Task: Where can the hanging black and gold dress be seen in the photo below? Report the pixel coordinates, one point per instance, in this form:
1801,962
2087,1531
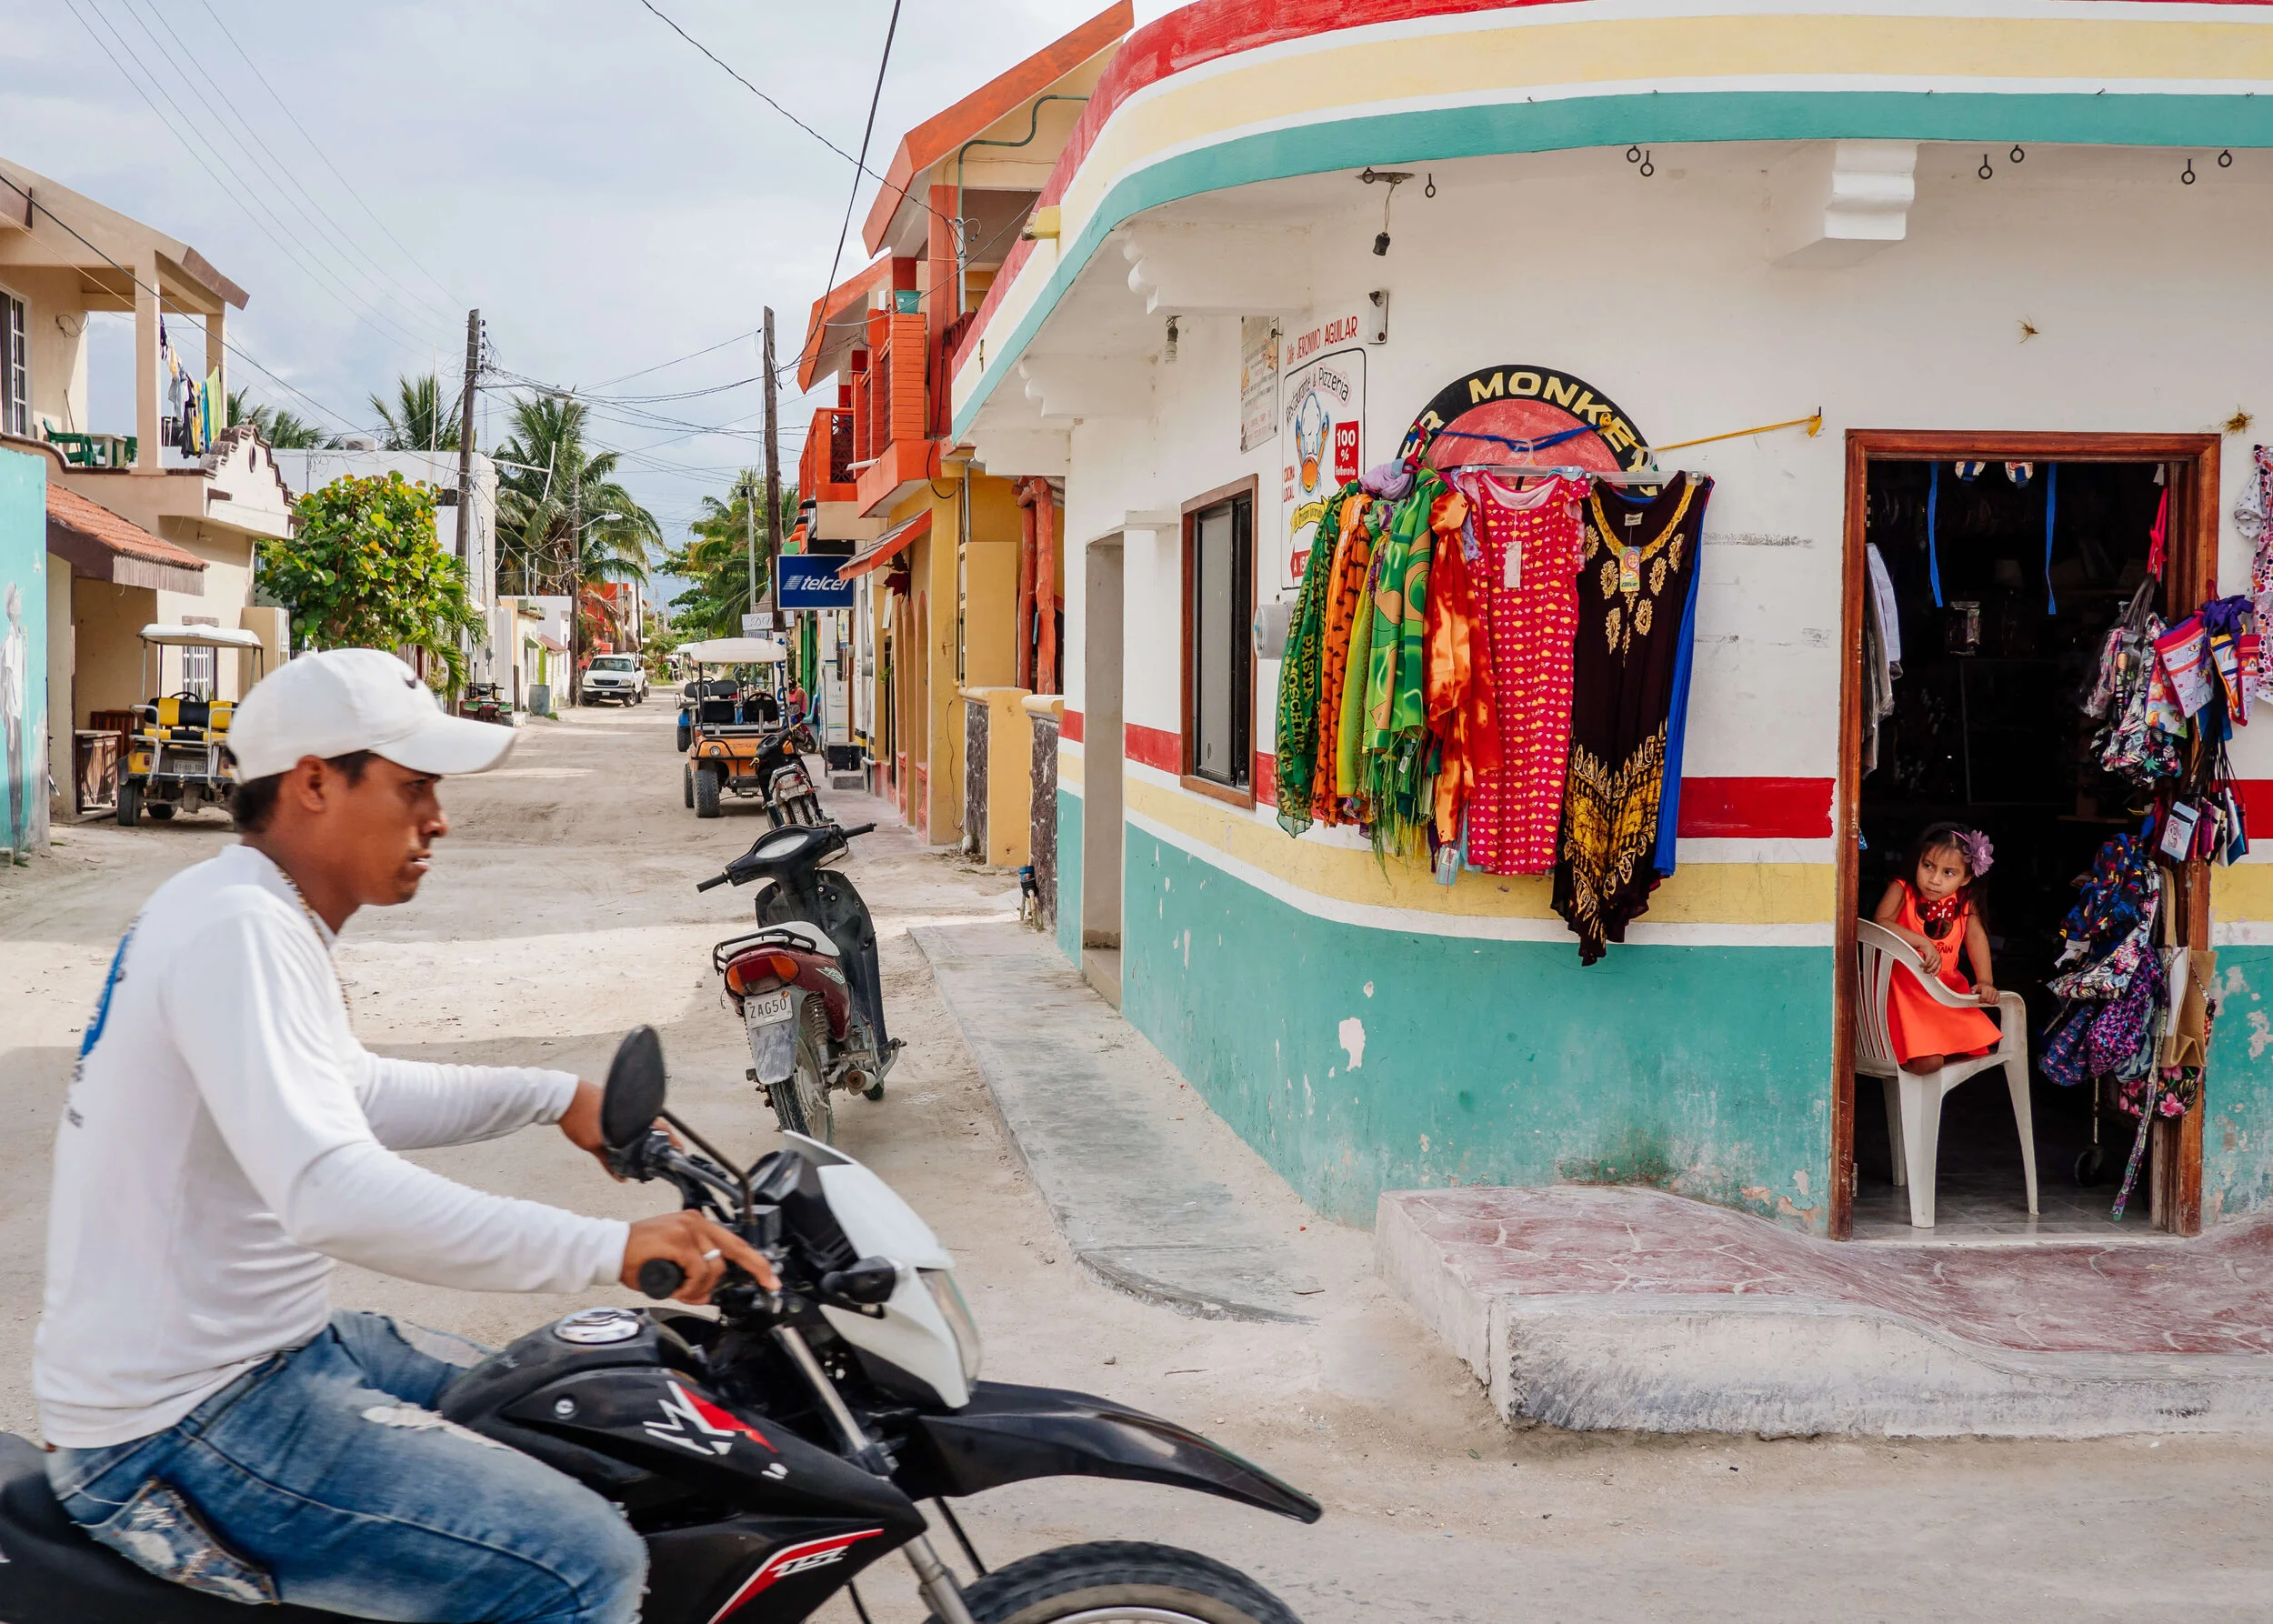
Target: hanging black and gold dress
1639,569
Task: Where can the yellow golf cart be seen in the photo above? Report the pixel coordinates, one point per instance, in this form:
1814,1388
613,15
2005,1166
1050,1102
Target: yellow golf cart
178,755
732,729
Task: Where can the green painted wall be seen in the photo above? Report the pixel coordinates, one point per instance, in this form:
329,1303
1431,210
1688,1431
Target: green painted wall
22,653
2237,1134
1704,1070
1069,873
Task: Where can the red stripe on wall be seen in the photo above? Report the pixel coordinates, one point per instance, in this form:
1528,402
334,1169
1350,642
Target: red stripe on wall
1266,779
1069,725
1152,747
2257,806
1755,809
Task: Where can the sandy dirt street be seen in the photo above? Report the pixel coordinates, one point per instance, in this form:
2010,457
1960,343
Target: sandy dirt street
562,910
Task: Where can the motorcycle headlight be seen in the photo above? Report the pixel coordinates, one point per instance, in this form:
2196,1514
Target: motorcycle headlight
949,1296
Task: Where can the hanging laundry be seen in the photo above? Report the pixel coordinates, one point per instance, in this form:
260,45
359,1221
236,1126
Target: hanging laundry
2254,519
1529,548
212,412
1678,731
1638,570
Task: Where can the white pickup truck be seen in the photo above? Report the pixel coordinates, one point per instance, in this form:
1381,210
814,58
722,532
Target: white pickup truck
617,676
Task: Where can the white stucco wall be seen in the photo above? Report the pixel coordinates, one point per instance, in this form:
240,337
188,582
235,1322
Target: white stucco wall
2144,294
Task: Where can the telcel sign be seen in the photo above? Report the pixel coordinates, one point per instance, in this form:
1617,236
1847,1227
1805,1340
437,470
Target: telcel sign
809,582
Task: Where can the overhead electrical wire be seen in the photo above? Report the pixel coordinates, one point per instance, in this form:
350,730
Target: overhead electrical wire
233,348
382,325
419,308
659,365
859,163
226,33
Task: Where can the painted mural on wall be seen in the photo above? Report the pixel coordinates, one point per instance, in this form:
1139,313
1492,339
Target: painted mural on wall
1525,413
22,653
1324,415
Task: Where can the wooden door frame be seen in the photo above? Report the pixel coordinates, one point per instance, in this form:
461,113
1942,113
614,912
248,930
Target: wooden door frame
2192,575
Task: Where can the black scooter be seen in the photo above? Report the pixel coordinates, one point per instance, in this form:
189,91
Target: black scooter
773,1451
807,983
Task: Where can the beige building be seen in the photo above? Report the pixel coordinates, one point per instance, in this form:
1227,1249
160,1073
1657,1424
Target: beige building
64,257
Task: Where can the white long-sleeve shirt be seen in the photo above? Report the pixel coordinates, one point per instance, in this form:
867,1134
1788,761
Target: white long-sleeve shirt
226,1138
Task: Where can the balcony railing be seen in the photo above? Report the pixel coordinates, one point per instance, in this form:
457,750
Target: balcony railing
890,443
825,470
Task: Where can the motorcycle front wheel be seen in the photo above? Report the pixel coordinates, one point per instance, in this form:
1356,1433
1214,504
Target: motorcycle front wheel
1121,1582
802,1104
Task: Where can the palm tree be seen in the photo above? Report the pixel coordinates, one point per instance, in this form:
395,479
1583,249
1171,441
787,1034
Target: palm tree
559,476
418,420
716,561
281,430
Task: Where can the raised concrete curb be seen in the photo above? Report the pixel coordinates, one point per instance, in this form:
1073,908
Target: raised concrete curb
1634,1354
1085,1103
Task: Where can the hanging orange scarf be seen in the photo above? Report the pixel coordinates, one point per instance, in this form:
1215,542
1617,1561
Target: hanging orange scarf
1352,554
1459,672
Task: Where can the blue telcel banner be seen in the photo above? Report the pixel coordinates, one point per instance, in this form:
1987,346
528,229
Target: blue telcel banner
808,581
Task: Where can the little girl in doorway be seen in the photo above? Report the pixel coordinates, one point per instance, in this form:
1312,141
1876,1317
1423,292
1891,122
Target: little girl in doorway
1934,910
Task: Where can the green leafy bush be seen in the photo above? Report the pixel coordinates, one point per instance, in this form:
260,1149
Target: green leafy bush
367,571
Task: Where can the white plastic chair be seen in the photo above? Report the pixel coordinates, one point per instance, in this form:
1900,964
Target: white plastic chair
1913,1099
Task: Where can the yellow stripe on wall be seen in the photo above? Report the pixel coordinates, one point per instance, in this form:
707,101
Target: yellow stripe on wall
1698,894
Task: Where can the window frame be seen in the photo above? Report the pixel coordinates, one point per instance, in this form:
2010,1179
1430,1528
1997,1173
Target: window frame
16,360
1242,792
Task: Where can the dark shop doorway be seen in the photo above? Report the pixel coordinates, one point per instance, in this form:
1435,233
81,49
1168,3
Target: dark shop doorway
2002,618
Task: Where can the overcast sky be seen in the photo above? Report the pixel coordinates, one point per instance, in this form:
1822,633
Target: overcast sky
608,197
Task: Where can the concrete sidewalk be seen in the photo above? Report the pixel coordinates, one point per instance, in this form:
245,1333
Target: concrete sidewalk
1099,1118
1632,1308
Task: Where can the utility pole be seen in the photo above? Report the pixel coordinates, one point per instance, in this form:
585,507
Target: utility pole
465,437
576,587
773,482
465,457
749,526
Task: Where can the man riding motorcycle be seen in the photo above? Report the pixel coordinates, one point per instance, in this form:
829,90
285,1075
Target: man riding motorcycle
227,1139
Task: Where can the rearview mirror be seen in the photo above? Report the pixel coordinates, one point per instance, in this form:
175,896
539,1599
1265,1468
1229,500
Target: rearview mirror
635,1087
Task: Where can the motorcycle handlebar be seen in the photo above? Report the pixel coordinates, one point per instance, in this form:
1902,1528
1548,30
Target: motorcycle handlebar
866,828
660,1278
714,881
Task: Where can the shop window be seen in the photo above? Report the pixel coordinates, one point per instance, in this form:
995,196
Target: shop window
16,369
1218,660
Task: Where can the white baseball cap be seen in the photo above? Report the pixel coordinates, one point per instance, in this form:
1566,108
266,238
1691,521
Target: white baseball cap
341,700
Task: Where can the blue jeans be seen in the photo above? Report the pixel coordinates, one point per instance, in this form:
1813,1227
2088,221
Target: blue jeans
324,1477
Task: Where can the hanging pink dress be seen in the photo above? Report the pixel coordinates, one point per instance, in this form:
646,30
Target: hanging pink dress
1517,810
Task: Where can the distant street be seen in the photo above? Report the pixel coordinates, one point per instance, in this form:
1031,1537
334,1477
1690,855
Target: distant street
562,910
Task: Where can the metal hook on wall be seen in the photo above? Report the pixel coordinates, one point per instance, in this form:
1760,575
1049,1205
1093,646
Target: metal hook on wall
1647,169
2226,159
1985,171
1633,155
2187,179
2018,153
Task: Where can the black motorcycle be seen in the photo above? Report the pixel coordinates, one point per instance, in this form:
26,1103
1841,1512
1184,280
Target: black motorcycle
773,1451
807,983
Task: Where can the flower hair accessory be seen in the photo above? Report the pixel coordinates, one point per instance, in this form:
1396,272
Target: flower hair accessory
1979,854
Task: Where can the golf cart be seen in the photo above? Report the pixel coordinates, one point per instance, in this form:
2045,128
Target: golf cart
178,754
731,727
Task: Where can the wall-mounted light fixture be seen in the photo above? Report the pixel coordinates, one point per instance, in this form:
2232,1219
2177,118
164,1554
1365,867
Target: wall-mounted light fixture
1393,179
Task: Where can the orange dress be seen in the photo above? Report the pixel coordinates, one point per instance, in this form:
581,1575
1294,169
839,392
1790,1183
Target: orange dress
1917,1025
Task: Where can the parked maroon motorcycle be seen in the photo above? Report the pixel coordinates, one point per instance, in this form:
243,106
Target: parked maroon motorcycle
807,984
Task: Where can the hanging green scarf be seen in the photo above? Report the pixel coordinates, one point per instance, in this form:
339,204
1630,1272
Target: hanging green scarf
1349,748
1397,758
1297,740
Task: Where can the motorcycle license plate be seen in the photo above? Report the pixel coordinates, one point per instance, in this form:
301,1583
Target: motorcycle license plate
765,1008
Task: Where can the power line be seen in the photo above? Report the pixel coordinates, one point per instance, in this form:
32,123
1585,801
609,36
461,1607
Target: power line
659,365
31,203
859,163
398,336
223,30
419,308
